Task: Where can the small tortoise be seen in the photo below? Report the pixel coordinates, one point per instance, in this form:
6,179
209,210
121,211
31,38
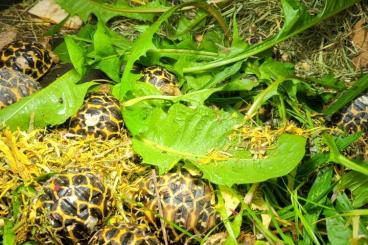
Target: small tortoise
100,117
14,86
162,79
71,207
354,118
186,201
30,58
127,234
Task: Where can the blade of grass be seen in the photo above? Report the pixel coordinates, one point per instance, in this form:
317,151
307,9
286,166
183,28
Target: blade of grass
264,230
299,215
348,95
337,157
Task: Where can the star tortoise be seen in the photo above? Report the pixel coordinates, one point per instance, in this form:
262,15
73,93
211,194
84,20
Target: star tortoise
127,234
30,58
186,201
162,79
354,118
14,86
71,206
99,117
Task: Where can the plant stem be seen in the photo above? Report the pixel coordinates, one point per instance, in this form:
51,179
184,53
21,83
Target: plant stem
225,219
150,97
109,7
82,39
337,157
187,51
164,51
261,97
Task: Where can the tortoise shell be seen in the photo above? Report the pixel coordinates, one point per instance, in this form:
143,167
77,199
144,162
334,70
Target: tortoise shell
74,204
14,86
354,118
30,58
127,234
100,117
186,201
162,79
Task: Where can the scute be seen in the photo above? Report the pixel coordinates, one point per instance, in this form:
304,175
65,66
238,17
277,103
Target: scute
354,118
162,79
127,234
99,117
14,86
29,58
186,201
66,206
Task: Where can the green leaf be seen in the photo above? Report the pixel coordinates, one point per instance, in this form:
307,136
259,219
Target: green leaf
197,81
337,230
144,43
111,67
272,69
357,183
241,83
224,74
348,95
238,42
9,234
54,29
102,41
84,8
187,24
139,48
52,105
86,33
321,185
297,19
343,142
329,81
198,134
263,96
182,133
197,98
237,169
76,54
232,228
108,59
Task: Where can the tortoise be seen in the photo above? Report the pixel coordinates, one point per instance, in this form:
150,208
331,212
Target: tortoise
354,118
70,207
186,201
15,85
99,117
30,58
127,234
162,79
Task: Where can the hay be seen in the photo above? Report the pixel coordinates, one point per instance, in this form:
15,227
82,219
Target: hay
28,158
26,26
330,48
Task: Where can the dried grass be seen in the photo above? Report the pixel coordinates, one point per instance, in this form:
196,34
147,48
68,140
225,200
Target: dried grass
324,49
28,158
